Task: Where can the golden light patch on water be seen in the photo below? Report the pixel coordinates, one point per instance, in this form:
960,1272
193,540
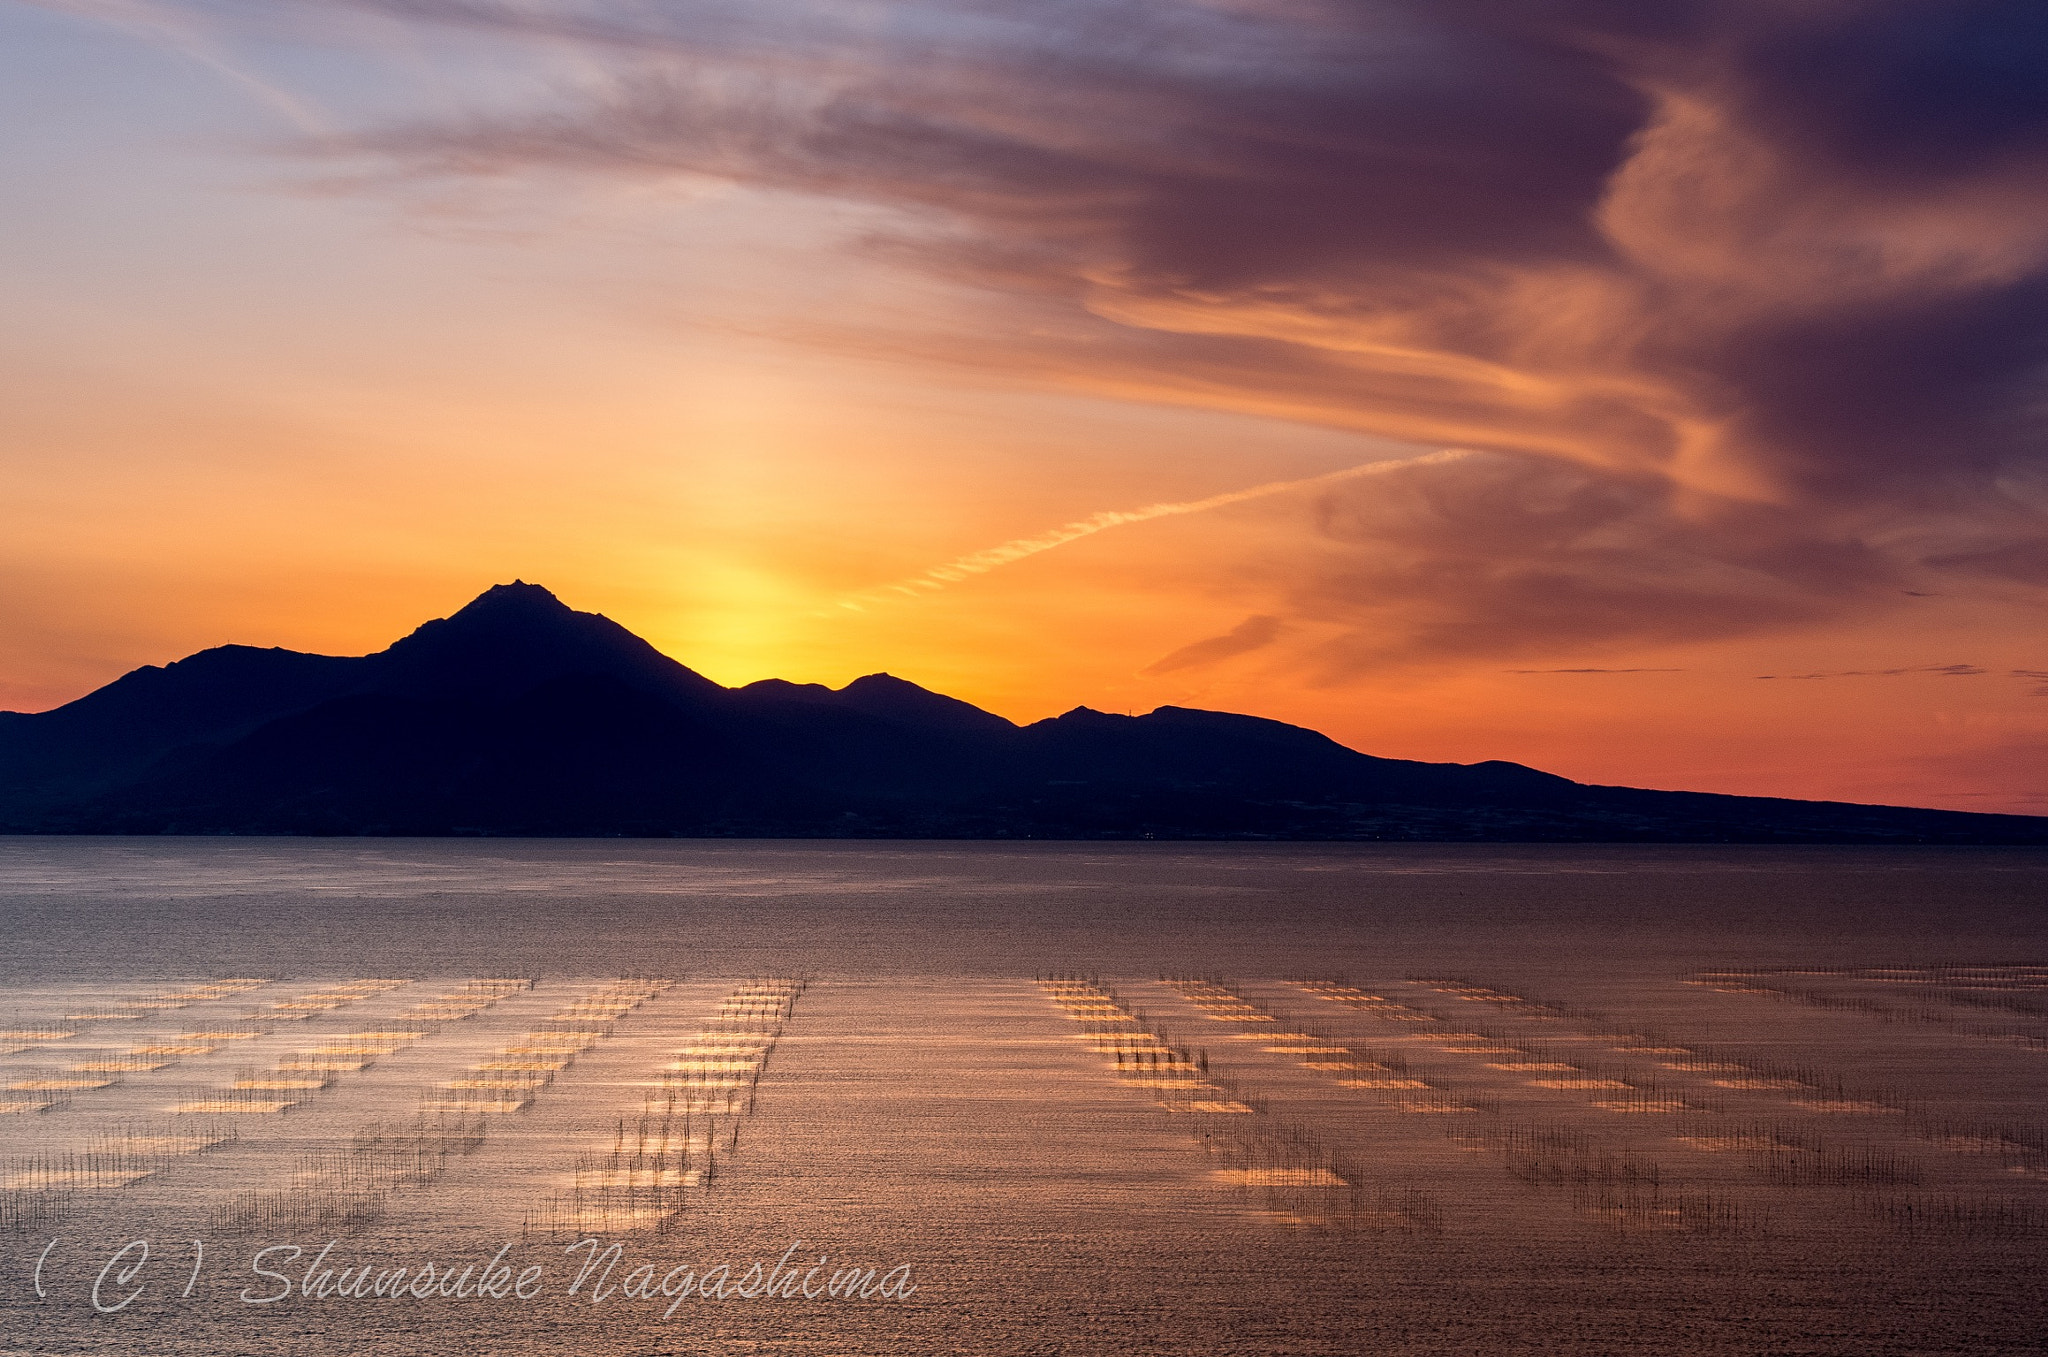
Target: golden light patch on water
1196,1085
1222,1107
21,1106
165,1145
36,1033
56,1085
1757,1084
510,1082
1578,1083
1982,1142
458,1103
1308,1050
234,1106
119,1065
370,1046
221,1036
1383,1083
521,1064
717,1083
43,1179
1520,1065
628,1180
1278,1177
1721,1144
359,1049
1649,1105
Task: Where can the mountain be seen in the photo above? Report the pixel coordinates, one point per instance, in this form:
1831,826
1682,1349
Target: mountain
519,715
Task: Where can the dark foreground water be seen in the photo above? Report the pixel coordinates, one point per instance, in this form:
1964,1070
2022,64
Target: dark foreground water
1041,1098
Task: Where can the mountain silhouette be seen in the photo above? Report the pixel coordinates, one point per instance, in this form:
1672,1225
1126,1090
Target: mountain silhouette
518,715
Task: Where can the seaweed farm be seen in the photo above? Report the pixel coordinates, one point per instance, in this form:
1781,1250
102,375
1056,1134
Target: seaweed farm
1461,1149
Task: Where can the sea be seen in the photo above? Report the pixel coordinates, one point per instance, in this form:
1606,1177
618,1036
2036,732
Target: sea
626,1096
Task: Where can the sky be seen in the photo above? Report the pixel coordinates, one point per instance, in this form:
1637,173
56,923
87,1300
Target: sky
1650,393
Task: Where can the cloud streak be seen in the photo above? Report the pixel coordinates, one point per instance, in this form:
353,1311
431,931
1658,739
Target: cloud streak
186,33
1254,633
962,568
1946,670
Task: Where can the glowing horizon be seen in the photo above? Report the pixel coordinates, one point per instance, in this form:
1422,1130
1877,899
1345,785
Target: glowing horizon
1461,387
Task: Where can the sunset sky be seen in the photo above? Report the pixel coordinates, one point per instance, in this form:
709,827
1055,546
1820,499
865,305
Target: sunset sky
1652,391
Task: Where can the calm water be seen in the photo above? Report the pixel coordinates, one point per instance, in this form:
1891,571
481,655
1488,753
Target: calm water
1471,1100
132,907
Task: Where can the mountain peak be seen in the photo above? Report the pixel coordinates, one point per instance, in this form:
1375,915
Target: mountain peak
517,593
896,699
513,636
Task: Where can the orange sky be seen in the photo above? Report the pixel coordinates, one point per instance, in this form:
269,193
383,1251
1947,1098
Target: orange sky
275,376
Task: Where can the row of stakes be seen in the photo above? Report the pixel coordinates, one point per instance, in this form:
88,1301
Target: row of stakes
354,1187
688,1124
1295,1177
37,1191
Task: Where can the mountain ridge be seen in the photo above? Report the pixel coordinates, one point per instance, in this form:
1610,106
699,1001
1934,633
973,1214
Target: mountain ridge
519,715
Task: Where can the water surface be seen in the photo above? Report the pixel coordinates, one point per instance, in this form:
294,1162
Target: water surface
1147,1098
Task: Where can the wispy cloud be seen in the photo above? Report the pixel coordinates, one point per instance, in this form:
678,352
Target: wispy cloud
1596,671
187,32
1254,633
1949,670
981,562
